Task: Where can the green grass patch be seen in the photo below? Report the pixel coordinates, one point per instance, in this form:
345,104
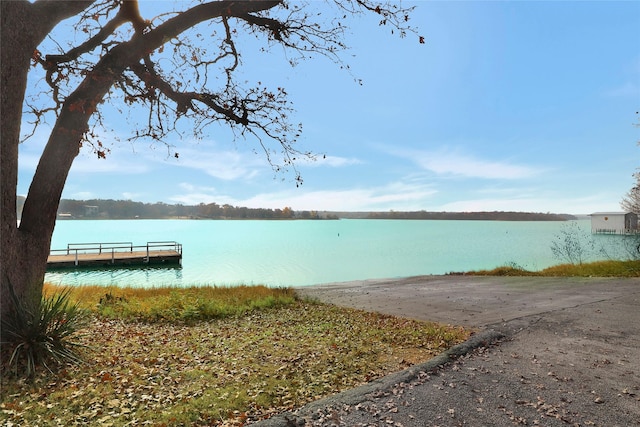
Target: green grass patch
172,304
592,269
275,353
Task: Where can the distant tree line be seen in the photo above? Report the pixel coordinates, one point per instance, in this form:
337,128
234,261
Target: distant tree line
127,209
479,216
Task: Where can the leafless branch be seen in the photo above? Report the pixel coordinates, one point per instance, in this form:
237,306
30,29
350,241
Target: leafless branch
135,67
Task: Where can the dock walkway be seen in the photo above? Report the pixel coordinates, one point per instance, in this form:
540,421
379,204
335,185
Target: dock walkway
122,254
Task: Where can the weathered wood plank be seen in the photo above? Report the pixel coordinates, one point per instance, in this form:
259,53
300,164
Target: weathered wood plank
114,257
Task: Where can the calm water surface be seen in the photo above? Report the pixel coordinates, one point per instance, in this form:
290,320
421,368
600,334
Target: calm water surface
299,253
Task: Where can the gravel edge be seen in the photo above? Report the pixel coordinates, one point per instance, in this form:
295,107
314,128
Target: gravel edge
359,394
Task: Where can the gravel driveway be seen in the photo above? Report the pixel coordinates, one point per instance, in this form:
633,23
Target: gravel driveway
548,352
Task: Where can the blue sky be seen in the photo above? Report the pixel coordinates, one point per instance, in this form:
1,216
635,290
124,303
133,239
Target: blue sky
509,106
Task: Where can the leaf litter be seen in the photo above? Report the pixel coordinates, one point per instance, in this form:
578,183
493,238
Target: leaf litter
224,372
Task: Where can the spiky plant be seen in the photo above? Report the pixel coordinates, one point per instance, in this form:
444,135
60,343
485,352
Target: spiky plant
42,334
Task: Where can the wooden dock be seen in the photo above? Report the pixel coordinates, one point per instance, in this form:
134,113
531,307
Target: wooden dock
118,254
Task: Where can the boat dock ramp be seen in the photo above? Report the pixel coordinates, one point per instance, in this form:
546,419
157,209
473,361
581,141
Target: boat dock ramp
124,254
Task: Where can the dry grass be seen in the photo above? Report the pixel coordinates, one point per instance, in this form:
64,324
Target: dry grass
176,304
592,269
223,371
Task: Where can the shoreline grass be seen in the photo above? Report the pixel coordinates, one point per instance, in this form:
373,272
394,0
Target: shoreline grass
152,361
172,304
630,268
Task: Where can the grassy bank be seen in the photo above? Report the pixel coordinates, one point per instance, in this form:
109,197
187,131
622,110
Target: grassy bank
171,304
214,356
592,269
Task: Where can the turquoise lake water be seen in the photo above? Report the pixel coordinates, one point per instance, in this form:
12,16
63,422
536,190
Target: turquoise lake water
300,253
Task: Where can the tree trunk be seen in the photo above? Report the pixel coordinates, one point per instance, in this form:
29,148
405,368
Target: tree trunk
24,249
17,45
23,25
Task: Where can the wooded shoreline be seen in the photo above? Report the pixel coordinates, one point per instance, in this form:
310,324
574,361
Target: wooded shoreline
127,209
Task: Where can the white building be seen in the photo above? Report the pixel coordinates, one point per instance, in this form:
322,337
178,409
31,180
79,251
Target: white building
614,222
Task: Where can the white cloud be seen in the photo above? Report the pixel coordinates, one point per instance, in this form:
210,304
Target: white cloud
194,195
120,159
227,165
334,161
398,195
578,205
190,188
455,163
87,162
115,162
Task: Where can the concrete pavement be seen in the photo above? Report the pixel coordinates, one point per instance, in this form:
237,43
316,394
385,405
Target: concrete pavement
548,352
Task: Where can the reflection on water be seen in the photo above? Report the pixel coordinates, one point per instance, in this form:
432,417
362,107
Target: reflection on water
134,276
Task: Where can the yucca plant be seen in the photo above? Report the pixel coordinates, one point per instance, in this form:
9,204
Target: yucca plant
43,333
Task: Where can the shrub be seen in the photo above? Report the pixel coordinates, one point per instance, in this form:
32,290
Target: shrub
573,245
631,246
41,333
